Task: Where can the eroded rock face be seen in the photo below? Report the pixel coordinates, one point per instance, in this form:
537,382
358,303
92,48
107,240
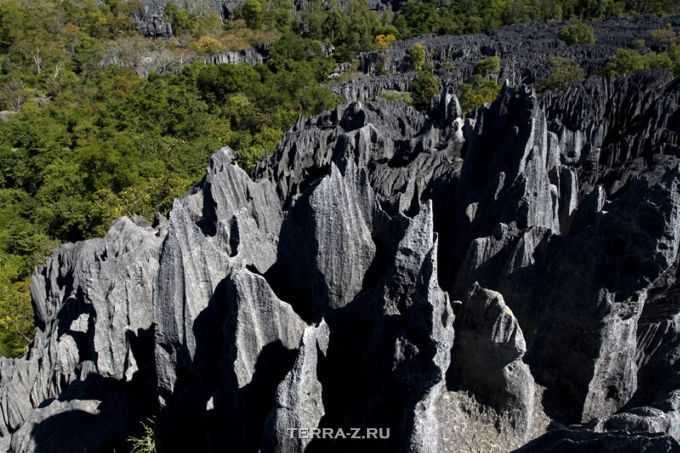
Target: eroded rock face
93,305
383,269
563,440
299,397
326,245
488,357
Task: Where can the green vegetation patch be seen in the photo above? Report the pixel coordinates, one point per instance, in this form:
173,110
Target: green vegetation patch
577,33
399,96
629,62
86,143
561,72
476,92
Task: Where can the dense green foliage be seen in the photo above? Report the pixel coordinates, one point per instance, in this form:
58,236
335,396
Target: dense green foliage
476,92
488,66
85,143
424,87
630,62
639,58
350,30
577,33
562,72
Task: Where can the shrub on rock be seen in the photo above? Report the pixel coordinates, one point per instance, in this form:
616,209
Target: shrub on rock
562,72
577,33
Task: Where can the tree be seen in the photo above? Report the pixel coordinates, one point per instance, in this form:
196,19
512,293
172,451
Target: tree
13,94
488,66
562,72
418,56
577,33
424,87
476,92
383,42
628,62
362,25
252,11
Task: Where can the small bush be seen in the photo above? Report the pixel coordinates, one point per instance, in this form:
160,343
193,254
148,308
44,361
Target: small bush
674,55
577,33
383,42
209,23
562,72
208,45
424,87
418,56
489,65
627,63
476,92
447,66
399,96
664,35
146,443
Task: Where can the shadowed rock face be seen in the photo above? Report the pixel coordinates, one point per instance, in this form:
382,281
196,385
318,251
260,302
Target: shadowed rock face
384,269
488,357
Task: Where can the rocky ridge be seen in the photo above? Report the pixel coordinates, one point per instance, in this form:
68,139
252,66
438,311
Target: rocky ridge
152,22
522,48
513,271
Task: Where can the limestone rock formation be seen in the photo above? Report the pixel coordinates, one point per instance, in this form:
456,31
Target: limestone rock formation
299,397
488,357
565,441
449,282
523,48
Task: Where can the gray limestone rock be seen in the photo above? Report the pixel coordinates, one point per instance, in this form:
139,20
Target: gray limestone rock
567,441
315,293
326,244
93,304
299,397
260,319
487,357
